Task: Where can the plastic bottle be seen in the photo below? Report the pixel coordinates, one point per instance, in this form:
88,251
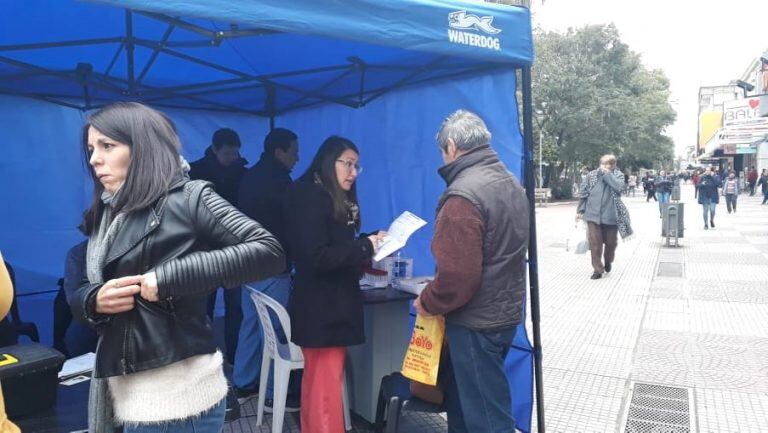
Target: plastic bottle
398,270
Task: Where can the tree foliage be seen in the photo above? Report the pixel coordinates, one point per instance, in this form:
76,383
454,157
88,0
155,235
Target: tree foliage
594,96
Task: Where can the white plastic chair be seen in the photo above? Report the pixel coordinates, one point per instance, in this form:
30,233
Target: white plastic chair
286,356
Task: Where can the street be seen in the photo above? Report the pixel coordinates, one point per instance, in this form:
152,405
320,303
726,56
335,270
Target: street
692,317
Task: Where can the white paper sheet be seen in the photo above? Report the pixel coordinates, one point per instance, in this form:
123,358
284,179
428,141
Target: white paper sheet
78,365
399,231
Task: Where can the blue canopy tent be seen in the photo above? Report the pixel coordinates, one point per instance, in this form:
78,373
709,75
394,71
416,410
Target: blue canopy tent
383,73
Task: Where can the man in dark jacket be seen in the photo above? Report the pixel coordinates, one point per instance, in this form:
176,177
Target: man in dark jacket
224,167
480,244
261,198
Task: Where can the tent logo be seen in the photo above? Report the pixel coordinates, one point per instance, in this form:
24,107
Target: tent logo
461,20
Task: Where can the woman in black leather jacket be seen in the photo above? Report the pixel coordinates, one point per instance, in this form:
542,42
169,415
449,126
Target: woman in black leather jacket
158,244
326,307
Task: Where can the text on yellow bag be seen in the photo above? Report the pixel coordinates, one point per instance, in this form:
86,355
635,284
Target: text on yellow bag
422,359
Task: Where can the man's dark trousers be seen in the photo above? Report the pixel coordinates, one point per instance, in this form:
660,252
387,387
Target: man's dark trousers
477,396
233,316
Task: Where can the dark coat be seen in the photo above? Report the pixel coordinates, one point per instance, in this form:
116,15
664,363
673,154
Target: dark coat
262,192
708,189
195,242
226,180
326,305
763,182
663,184
480,177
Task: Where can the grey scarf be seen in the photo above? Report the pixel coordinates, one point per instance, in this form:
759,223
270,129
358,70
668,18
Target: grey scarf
100,416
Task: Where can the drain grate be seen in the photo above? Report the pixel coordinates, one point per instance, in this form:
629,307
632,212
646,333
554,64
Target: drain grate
659,409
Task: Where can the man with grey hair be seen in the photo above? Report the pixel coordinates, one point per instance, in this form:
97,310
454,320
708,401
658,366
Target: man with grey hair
601,207
480,244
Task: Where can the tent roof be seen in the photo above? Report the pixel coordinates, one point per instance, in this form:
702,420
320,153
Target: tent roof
264,58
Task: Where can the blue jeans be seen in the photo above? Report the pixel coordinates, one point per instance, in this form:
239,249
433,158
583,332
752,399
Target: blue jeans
709,210
247,368
663,198
477,397
210,421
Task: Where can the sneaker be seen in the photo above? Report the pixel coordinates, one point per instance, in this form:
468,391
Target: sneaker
291,405
596,276
706,227
245,394
712,224
608,268
232,410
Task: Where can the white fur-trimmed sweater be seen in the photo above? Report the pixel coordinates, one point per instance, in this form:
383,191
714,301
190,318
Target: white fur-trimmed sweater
177,391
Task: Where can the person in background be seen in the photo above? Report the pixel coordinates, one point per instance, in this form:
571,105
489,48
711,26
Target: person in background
632,184
708,197
261,197
480,244
601,207
731,191
6,299
322,221
158,245
695,180
763,182
224,167
663,186
752,180
649,185
78,338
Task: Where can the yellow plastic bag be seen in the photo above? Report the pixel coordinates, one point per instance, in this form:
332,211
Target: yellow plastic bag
422,359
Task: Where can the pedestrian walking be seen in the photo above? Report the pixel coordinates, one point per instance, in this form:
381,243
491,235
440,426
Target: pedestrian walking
601,207
752,180
650,187
708,197
731,191
663,187
632,184
763,182
695,180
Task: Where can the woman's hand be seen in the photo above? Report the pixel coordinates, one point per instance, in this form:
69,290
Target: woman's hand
149,287
116,296
377,239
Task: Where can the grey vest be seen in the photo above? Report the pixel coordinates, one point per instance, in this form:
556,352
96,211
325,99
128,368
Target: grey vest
480,177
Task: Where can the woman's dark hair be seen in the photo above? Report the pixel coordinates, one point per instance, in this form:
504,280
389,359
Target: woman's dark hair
154,151
323,168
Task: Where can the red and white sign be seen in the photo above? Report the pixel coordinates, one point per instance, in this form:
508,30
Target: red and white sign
743,112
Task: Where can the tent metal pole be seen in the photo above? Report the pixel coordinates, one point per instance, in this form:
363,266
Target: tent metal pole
533,265
241,74
129,51
76,43
155,53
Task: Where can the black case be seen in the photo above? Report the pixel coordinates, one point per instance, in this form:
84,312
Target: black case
29,385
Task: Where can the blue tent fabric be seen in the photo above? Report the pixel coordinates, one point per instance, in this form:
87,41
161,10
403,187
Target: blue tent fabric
196,56
320,74
420,25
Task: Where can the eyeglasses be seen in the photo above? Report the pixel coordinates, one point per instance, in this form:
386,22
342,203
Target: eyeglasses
349,165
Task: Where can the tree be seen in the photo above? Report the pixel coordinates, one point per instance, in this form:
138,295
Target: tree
594,96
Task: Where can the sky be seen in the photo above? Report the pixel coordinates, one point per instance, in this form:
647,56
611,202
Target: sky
695,43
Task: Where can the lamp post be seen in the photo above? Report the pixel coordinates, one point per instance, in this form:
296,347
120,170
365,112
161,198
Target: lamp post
539,122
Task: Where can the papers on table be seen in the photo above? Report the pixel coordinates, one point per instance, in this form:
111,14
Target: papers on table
414,285
77,366
397,236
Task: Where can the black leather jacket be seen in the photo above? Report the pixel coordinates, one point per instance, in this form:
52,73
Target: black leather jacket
195,242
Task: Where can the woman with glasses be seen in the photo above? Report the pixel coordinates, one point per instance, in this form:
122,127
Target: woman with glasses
326,306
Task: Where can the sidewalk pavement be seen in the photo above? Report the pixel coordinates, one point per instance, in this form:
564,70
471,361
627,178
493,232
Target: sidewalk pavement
705,330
